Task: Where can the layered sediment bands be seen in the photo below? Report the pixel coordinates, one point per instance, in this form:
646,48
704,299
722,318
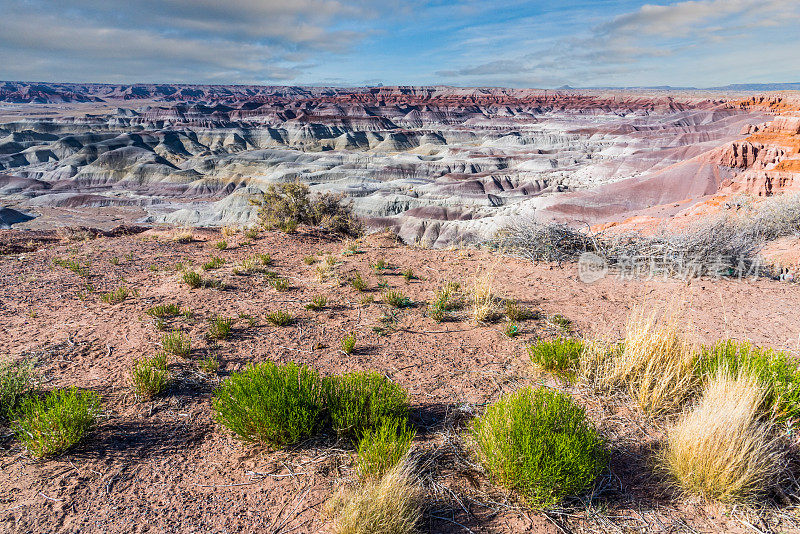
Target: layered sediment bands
440,164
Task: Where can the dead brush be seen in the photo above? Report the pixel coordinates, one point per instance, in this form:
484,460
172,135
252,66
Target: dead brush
485,306
389,505
723,449
656,363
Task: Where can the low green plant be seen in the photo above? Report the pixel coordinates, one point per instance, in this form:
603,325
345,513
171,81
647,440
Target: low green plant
444,301
221,245
114,260
219,328
163,310
349,343
379,266
16,383
366,300
539,443
362,400
279,318
50,425
511,329
310,260
317,303
116,296
777,372
358,282
409,275
561,356
382,283
193,279
150,375
251,321
280,284
176,343
209,365
214,263
383,447
562,322
396,299
73,265
252,232
274,404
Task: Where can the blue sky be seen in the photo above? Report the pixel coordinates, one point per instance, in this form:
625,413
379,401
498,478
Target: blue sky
355,42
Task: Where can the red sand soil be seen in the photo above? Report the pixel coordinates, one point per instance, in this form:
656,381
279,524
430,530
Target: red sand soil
166,466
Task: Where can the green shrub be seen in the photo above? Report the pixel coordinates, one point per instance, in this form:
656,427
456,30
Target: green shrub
560,356
396,299
285,206
273,404
280,284
383,447
349,343
209,365
408,275
177,343
221,245
164,310
16,383
777,372
561,322
214,263
379,266
219,328
192,279
358,401
150,375
444,301
511,329
539,443
279,318
114,260
116,296
358,282
54,423
310,260
252,232
72,265
317,303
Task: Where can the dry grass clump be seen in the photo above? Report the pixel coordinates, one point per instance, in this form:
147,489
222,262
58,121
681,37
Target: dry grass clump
723,449
389,505
485,306
183,236
657,363
150,376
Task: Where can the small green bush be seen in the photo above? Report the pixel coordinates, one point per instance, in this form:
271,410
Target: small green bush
317,303
214,263
310,260
150,375
52,424
16,383
219,328
192,279
358,282
209,365
561,322
252,232
349,343
280,284
73,265
164,310
379,266
177,343
285,206
383,447
279,318
444,301
777,372
358,401
511,329
560,356
221,245
116,296
396,299
409,275
273,404
539,443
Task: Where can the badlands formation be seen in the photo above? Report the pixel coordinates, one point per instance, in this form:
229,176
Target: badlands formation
439,164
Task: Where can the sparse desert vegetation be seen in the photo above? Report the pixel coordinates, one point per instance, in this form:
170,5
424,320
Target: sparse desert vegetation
321,382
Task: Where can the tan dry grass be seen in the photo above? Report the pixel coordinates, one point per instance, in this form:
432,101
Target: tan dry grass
656,363
389,505
485,306
722,449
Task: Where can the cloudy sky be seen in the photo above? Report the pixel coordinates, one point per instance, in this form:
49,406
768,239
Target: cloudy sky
355,42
